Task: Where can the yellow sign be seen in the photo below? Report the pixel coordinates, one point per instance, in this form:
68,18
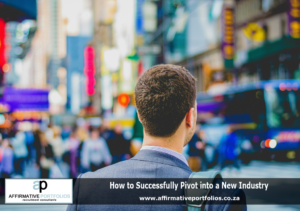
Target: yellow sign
294,19
254,32
228,33
295,29
124,122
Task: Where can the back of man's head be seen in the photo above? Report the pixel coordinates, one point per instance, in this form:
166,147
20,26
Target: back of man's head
164,94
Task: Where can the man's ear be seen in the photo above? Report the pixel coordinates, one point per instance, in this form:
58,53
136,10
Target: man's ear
139,116
190,118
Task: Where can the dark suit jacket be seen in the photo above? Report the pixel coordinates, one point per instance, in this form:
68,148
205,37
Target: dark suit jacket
148,164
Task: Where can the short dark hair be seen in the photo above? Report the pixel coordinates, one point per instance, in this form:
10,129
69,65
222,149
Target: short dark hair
163,95
93,128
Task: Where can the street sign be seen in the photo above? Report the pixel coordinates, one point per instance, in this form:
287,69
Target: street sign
254,32
152,49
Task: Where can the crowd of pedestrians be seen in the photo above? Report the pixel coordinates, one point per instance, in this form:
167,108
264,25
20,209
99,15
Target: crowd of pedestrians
88,148
81,148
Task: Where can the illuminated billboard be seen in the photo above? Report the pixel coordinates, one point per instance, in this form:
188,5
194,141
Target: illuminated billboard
294,19
89,70
228,33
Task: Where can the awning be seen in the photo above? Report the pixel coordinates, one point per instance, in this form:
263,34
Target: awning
19,99
18,10
269,49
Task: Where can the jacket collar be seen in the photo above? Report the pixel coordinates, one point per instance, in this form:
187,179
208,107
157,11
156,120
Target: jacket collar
160,157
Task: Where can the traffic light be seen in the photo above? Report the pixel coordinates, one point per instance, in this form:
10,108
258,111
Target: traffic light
123,99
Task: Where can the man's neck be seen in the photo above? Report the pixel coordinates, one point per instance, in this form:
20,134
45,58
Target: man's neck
174,142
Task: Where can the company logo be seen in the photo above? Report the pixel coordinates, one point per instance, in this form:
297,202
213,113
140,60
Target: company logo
40,185
34,191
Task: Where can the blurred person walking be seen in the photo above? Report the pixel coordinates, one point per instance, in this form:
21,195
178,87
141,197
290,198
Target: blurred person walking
65,132
45,156
20,152
201,145
37,144
105,131
95,153
57,144
30,147
118,145
228,150
8,132
71,152
49,131
7,161
82,135
196,154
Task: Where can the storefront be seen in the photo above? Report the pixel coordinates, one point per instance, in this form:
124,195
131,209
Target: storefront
273,60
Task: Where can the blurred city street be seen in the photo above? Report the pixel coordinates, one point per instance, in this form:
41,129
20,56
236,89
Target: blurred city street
262,169
69,68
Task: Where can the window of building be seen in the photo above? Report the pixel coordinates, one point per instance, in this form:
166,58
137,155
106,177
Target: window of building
266,29
283,27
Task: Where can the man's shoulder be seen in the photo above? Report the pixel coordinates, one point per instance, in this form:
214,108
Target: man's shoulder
108,171
138,169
